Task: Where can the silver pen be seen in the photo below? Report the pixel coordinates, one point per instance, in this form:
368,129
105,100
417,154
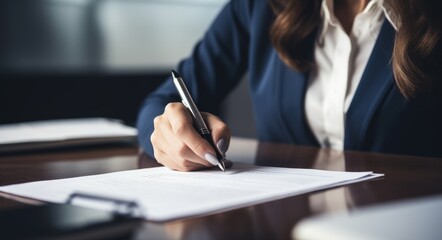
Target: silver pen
196,115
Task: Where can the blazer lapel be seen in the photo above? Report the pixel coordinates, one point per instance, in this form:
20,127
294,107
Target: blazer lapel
375,83
292,103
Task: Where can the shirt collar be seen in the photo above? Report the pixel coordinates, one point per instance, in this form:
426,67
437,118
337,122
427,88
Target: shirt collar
329,18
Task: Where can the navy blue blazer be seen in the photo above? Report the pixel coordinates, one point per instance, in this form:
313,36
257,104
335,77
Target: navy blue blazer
379,119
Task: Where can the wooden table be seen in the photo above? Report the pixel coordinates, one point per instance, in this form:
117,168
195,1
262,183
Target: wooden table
405,177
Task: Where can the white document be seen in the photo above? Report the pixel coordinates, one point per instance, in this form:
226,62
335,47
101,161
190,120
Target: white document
41,134
165,194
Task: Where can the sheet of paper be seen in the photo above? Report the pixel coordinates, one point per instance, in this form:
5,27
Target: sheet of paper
63,132
165,194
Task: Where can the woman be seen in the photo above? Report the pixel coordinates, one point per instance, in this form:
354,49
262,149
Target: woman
347,74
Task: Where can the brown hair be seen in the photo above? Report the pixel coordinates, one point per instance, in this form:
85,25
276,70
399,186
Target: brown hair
416,57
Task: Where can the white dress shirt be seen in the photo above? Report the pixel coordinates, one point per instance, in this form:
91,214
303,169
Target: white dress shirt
340,62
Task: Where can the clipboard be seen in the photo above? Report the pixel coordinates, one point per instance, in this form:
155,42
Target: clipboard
71,222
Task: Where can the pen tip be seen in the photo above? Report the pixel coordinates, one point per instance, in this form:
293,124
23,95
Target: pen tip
175,74
222,166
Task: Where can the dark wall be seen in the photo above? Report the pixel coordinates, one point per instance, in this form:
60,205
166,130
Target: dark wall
29,97
45,35
51,65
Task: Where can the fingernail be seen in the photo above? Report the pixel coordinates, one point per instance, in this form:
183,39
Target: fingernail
211,159
222,146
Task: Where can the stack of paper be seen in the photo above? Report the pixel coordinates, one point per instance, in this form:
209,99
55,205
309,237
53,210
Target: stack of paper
61,133
164,194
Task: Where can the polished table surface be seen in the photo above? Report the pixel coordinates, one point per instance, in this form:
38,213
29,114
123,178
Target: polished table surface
406,177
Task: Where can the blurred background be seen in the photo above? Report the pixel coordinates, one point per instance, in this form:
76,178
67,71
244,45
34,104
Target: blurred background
98,58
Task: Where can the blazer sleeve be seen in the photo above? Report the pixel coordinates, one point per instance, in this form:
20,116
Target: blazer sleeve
215,66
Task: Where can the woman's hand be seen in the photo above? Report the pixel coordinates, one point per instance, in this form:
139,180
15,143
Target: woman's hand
178,146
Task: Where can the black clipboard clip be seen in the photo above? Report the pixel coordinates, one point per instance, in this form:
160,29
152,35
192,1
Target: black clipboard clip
118,206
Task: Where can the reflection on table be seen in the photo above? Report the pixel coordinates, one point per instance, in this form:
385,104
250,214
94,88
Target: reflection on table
405,177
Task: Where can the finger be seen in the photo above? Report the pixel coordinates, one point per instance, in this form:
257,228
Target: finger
174,143
159,147
171,152
164,159
168,161
187,165
220,131
181,126
180,151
